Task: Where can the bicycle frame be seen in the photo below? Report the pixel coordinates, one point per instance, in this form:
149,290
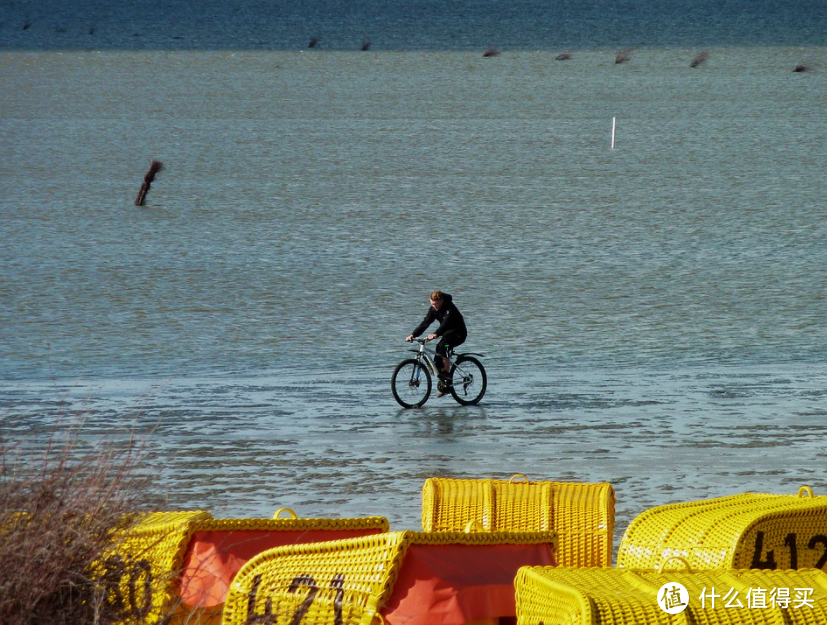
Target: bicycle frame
465,379
428,355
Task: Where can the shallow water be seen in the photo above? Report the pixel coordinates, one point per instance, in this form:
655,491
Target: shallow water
652,315
334,443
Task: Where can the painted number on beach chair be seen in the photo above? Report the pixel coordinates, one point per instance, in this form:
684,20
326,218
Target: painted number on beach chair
791,543
140,605
138,575
298,582
268,618
338,584
252,618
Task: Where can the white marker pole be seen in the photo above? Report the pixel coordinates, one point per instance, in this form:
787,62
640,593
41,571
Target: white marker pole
613,133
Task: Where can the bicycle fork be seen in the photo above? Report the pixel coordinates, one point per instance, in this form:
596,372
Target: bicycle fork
415,374
430,365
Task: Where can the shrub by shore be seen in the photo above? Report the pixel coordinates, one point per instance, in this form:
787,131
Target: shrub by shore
61,511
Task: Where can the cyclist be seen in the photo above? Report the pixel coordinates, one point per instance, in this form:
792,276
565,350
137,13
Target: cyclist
451,330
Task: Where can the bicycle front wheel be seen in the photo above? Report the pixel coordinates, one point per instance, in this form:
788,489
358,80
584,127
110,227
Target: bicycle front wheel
469,380
411,383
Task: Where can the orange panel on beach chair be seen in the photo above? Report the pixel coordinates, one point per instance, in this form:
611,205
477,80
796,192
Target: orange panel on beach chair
218,548
193,558
410,578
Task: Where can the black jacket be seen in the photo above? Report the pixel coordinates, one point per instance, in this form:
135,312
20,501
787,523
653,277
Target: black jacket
448,316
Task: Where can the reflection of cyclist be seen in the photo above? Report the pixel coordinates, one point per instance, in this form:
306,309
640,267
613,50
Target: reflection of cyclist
451,330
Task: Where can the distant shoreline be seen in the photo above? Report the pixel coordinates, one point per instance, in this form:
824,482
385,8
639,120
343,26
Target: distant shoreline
422,25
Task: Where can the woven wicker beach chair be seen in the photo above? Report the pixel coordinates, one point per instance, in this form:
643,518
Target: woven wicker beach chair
415,578
612,596
182,564
746,531
582,514
138,574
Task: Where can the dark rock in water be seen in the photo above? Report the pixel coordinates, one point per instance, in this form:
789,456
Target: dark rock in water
699,59
154,168
563,56
366,45
622,57
491,52
801,68
314,41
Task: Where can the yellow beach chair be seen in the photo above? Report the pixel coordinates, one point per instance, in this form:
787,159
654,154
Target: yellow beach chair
746,531
581,514
410,578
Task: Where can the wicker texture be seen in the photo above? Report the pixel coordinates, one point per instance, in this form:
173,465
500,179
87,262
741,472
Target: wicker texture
157,545
758,531
630,597
145,563
199,615
342,582
582,514
345,579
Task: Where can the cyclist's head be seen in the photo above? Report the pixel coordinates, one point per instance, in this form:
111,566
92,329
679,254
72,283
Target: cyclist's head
436,299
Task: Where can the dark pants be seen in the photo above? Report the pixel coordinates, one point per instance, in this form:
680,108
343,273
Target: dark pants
448,341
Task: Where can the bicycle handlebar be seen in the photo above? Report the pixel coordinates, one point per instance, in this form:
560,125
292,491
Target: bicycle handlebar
419,340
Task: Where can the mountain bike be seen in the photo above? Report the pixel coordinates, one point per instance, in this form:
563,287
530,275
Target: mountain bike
412,380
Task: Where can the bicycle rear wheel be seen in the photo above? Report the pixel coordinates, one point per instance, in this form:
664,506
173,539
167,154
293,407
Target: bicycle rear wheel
469,380
411,383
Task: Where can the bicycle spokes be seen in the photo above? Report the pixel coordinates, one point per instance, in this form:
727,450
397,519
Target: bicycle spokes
411,384
469,380
412,378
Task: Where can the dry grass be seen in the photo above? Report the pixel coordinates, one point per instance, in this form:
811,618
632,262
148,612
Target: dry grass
59,513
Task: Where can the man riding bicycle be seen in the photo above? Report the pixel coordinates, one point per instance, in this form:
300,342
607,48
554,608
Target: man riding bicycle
451,330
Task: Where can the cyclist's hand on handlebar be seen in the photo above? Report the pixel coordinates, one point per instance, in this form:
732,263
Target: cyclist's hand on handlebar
431,337
409,338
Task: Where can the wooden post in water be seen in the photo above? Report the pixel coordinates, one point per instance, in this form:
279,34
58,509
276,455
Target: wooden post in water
613,132
154,168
